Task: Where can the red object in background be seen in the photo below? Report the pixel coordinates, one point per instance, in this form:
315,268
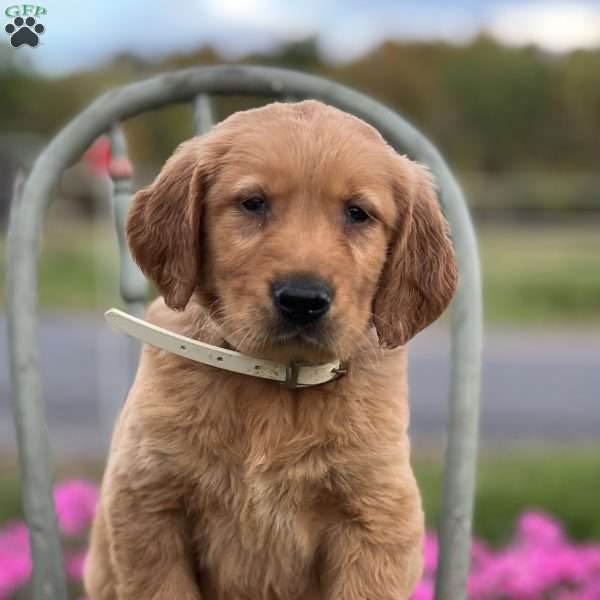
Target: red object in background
99,159
97,156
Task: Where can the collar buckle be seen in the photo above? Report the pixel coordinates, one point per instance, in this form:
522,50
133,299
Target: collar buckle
293,369
291,376
340,371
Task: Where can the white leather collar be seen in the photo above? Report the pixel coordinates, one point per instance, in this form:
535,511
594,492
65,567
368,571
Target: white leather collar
294,375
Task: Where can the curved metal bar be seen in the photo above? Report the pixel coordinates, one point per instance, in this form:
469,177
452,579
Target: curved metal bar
183,86
36,471
132,283
203,114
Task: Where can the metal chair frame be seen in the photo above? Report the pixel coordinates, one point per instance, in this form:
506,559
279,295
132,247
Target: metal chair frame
31,200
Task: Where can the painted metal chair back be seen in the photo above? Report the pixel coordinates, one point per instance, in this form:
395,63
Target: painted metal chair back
196,85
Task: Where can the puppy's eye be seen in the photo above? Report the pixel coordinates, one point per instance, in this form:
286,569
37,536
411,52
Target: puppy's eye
256,205
355,214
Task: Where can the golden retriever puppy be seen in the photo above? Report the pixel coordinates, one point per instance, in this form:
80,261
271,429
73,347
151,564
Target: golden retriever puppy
291,232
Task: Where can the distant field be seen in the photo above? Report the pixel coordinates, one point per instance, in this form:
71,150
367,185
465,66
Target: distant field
541,274
531,274
78,267
562,482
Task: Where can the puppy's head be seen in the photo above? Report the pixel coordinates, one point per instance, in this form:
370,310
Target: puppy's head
298,227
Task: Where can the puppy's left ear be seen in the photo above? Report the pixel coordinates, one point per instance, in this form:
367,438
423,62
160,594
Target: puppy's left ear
420,274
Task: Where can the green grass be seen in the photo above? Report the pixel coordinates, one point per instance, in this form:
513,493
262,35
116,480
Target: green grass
535,274
10,493
541,275
78,267
564,483
10,485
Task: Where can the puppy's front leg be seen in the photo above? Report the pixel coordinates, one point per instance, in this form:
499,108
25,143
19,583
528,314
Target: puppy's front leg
376,553
149,552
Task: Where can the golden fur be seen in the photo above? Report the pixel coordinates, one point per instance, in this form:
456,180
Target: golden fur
225,487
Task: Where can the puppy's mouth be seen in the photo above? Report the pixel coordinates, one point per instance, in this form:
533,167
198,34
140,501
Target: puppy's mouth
311,335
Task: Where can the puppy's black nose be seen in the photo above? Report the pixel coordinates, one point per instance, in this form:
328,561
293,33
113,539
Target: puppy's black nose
301,299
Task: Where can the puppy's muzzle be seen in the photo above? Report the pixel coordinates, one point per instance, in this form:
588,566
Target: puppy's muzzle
301,299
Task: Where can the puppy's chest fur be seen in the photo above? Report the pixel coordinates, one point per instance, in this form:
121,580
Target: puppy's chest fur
256,524
264,471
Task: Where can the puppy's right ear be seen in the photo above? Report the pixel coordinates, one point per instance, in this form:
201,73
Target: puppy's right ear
163,224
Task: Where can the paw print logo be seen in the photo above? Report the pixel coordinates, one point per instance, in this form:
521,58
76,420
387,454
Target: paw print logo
24,31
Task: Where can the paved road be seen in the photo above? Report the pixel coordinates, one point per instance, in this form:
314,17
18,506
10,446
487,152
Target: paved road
538,386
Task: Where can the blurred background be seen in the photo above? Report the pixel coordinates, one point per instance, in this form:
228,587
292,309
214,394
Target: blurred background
510,93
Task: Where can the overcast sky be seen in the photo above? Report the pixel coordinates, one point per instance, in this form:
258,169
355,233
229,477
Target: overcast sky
82,33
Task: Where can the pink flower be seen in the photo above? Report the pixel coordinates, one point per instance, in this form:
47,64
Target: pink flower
14,572
74,565
15,561
430,550
537,528
480,554
75,505
14,538
424,590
